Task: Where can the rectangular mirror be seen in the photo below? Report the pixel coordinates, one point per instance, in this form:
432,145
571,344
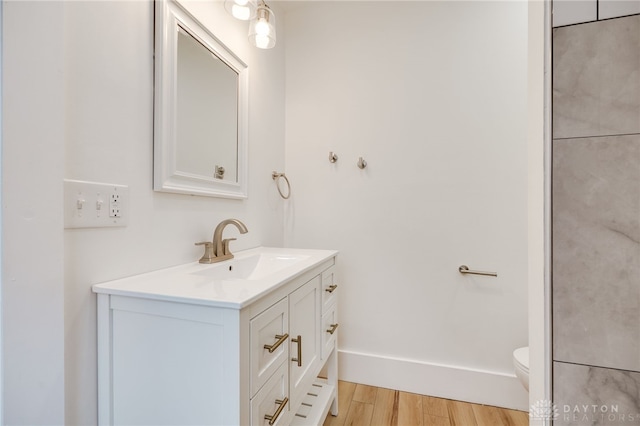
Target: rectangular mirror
200,109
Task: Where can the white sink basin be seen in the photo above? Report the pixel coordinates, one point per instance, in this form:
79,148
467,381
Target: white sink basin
254,267
234,283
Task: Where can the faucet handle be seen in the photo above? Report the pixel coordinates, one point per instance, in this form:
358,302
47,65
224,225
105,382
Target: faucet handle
208,256
225,245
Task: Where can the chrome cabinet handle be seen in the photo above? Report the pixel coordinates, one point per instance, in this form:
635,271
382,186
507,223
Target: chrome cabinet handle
273,417
281,339
331,288
299,358
333,328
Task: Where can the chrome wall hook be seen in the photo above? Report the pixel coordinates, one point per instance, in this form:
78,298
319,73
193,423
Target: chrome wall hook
333,157
361,163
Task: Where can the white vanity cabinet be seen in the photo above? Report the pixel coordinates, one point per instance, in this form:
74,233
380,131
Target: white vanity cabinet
180,351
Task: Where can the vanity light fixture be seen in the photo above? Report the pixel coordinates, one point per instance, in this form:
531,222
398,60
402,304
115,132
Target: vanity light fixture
243,10
262,29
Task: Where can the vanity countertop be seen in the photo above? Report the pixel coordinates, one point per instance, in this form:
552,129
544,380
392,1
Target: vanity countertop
234,283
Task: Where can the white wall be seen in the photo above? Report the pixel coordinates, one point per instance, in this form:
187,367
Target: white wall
434,96
32,172
81,107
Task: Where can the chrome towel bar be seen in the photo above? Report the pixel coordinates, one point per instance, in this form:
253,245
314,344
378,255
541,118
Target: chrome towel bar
464,269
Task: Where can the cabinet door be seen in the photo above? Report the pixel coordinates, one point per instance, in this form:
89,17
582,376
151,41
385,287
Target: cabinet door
304,326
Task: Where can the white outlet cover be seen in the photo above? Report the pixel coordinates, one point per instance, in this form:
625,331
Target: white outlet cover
95,201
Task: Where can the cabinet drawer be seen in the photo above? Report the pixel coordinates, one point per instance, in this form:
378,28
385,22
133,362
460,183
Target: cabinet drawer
329,330
329,288
269,343
272,401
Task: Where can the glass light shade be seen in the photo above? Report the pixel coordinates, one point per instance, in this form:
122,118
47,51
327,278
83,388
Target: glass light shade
262,29
243,10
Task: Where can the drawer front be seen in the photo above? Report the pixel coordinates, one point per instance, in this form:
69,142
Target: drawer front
271,404
269,343
329,288
329,330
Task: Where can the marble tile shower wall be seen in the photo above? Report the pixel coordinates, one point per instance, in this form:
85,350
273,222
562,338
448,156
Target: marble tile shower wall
596,222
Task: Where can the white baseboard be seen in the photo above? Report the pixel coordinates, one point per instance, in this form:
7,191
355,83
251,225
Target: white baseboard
444,381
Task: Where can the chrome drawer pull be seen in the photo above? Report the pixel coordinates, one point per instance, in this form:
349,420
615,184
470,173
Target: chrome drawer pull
299,342
281,339
331,288
333,328
272,418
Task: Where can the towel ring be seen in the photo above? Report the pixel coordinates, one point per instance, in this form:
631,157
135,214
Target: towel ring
276,176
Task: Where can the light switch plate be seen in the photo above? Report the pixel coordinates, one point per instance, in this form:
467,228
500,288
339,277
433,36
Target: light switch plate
95,205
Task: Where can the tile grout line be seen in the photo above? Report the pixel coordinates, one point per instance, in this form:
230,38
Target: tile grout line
596,366
596,136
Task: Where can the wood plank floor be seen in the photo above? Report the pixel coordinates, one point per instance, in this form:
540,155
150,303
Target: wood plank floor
362,405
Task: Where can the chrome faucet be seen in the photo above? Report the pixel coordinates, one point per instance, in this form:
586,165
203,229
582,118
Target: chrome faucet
218,249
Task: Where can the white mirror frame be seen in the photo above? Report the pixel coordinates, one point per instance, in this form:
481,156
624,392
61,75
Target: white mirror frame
168,15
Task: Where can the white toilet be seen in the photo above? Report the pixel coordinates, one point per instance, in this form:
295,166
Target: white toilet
521,365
